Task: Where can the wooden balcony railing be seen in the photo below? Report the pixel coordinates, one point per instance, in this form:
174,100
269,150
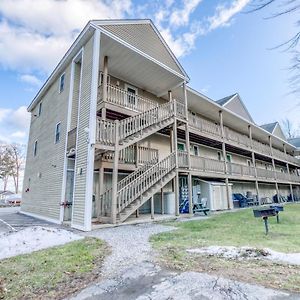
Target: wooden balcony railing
134,155
207,164
240,170
265,174
237,137
204,125
121,97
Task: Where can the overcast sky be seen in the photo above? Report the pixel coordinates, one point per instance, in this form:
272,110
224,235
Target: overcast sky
223,49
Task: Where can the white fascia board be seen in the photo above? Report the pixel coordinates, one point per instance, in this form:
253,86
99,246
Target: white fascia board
138,51
59,65
236,115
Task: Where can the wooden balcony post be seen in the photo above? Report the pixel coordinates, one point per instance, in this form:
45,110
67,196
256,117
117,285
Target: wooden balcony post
188,150
162,201
104,80
273,164
176,187
101,182
137,158
254,164
152,207
115,176
225,158
291,191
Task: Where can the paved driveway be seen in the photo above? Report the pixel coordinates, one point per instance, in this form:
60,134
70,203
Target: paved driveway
12,220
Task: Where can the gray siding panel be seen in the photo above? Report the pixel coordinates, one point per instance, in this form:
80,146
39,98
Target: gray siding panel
144,38
44,173
82,146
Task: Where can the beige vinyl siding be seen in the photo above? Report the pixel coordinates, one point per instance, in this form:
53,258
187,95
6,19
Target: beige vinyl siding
160,142
279,133
243,187
144,38
114,81
236,106
82,145
45,170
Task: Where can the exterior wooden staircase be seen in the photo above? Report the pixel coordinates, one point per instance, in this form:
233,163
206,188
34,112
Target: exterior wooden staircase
137,188
133,129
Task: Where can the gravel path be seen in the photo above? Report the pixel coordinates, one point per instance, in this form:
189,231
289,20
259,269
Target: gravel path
130,245
131,273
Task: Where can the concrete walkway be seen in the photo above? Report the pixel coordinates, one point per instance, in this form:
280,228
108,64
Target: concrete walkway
130,272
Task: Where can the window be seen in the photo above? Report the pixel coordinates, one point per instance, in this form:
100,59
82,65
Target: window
219,156
131,94
249,163
196,150
229,157
62,83
180,147
40,109
35,148
57,133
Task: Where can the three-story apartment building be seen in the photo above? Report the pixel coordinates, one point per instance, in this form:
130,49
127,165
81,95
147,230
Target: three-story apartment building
115,131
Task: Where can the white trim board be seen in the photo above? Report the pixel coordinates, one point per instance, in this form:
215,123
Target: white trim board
55,221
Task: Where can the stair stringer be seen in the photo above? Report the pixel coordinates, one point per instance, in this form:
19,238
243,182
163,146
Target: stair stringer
138,202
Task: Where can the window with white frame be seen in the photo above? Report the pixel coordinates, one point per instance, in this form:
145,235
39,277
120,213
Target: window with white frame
40,109
249,162
57,133
219,156
131,96
35,145
62,82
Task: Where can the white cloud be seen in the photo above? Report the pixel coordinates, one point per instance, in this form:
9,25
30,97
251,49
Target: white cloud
18,134
180,17
31,79
35,34
14,125
223,14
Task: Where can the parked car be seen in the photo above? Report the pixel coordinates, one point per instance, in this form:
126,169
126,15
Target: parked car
14,199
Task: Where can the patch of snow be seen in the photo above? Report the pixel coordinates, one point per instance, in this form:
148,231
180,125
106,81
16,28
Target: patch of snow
32,239
230,252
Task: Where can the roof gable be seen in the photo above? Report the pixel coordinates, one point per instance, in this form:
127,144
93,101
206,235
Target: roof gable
236,105
279,132
269,127
275,129
295,142
142,35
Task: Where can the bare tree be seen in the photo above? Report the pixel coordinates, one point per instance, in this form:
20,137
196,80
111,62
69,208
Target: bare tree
11,161
284,7
6,165
16,154
288,128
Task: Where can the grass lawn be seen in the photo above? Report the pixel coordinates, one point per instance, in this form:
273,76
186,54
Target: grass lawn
235,229
52,273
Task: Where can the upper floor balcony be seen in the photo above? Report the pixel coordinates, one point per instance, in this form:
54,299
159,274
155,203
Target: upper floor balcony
209,167
213,130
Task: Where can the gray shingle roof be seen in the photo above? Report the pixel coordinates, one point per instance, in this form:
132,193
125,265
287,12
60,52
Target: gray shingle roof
223,101
295,142
269,127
